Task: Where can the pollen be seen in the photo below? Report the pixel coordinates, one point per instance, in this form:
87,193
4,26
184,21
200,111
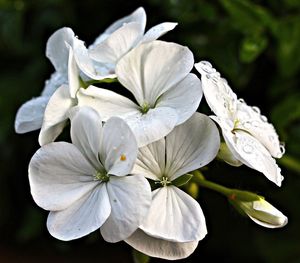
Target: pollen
123,157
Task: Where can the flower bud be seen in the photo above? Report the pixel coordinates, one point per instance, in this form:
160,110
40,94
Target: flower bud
260,211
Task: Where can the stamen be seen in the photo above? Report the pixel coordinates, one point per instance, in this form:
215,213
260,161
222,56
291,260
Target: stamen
165,181
101,176
123,157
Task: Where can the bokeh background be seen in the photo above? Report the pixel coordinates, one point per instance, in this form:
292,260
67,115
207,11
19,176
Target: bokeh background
254,44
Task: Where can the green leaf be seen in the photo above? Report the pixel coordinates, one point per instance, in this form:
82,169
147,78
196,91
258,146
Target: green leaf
251,47
139,257
182,180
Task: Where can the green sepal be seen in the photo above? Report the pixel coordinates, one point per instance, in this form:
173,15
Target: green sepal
182,180
139,257
237,207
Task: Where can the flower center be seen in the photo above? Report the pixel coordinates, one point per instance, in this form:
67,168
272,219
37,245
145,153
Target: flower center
101,176
164,181
145,107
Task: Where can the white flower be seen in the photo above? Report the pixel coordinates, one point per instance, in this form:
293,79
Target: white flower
157,74
248,135
59,104
262,212
85,185
30,115
175,222
99,60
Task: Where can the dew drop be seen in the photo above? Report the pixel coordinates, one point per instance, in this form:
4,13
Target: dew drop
248,148
247,125
256,109
282,149
264,118
208,76
242,100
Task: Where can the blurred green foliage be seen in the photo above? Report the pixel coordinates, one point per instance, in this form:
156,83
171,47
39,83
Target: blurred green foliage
254,44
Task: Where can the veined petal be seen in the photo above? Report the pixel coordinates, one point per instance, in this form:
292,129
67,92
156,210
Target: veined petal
251,120
117,44
151,160
106,102
157,31
57,50
191,145
81,218
219,96
55,115
184,97
119,147
30,115
159,248
130,199
174,216
153,125
86,133
138,16
252,153
86,64
153,68
59,175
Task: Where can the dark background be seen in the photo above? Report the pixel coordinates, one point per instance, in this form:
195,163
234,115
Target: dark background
254,44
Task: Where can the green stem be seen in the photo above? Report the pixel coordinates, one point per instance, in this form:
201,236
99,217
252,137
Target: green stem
290,163
201,181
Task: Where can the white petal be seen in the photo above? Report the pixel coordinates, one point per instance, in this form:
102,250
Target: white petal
174,216
155,247
30,115
59,175
153,125
253,154
138,16
81,218
119,147
151,160
86,64
57,50
86,133
51,85
130,199
191,145
250,119
117,44
56,115
219,96
73,75
107,103
185,97
157,31
152,68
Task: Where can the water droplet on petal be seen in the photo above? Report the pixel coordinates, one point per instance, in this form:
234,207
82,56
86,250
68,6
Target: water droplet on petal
282,149
248,148
256,109
263,118
242,100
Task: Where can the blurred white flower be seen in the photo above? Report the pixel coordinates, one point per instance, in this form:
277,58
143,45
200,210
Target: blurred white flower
248,135
99,60
30,115
88,184
175,222
157,75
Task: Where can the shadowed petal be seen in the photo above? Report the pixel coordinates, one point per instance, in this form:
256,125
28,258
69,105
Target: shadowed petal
130,198
155,247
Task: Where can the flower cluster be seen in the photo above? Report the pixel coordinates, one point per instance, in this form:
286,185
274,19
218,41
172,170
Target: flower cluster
129,160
